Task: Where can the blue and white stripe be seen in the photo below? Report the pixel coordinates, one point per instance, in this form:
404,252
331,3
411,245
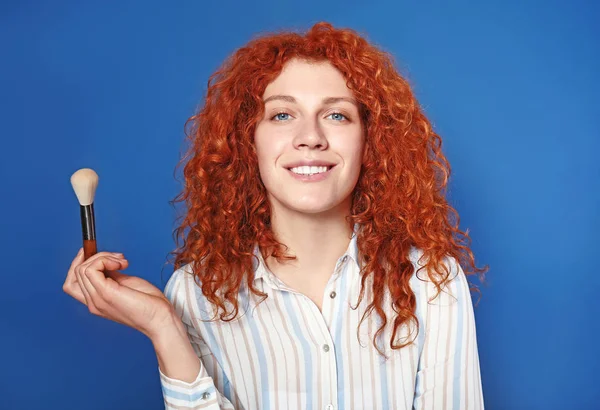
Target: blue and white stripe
286,353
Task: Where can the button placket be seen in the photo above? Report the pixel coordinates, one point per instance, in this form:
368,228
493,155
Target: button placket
327,347
328,299
336,273
331,371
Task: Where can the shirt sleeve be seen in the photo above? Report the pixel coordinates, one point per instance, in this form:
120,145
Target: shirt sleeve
201,393
448,374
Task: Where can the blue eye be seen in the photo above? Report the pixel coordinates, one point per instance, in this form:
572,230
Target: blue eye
338,116
282,116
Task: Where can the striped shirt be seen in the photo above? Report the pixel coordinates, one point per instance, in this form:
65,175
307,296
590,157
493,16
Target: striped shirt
285,353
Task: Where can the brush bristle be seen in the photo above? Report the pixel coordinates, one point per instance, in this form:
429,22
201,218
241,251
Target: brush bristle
84,182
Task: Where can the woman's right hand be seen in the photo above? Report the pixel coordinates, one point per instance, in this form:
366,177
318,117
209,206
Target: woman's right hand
125,299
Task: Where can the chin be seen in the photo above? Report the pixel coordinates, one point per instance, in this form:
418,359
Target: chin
312,211
309,204
314,208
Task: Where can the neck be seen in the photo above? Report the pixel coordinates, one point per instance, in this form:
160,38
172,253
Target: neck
317,240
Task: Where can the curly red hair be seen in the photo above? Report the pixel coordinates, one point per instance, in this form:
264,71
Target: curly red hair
399,200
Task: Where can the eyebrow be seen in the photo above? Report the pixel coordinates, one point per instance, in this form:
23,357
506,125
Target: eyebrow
326,100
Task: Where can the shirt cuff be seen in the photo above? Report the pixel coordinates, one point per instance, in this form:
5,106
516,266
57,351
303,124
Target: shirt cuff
179,394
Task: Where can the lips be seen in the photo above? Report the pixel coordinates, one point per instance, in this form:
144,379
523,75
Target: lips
329,167
310,163
312,177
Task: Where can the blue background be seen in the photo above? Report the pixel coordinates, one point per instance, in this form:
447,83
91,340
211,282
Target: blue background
512,88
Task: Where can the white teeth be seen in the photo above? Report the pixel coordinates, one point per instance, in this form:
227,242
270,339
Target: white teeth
306,170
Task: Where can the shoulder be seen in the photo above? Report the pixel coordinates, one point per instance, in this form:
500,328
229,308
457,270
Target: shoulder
182,291
178,282
422,282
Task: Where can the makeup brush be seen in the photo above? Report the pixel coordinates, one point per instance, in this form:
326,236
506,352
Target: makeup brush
84,182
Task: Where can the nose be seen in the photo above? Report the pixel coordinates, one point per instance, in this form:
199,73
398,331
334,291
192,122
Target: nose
310,135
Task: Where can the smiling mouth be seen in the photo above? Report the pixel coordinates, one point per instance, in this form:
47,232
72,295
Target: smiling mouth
310,170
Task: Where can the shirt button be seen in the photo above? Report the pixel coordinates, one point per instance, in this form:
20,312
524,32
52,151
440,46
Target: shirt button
326,348
329,407
332,295
205,396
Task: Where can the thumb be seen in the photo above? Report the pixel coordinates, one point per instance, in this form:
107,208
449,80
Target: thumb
115,275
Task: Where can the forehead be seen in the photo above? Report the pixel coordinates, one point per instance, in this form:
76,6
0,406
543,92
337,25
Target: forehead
300,77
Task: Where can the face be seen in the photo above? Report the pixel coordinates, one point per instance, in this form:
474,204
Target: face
310,141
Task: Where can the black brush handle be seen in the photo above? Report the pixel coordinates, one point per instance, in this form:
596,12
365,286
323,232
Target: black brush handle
88,228
88,224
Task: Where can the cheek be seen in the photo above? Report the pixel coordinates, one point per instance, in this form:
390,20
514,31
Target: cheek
263,148
354,154
270,145
268,151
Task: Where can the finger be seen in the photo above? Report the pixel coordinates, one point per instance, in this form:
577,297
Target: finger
93,260
97,287
76,293
115,274
71,277
97,305
82,288
100,255
94,268
94,276
77,260
80,259
70,286
111,272
102,266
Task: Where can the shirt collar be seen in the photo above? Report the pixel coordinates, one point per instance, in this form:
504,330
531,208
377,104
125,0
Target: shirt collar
261,271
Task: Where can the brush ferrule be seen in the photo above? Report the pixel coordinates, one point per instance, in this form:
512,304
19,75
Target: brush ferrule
88,224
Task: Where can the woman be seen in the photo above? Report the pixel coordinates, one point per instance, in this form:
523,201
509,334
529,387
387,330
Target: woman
321,265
